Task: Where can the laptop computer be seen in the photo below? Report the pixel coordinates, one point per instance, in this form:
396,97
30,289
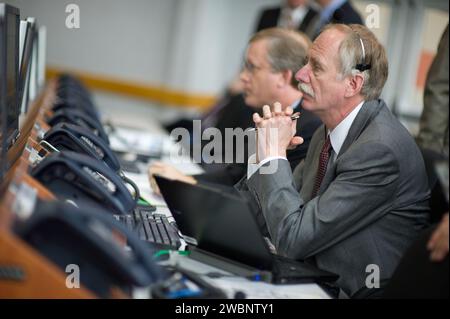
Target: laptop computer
228,236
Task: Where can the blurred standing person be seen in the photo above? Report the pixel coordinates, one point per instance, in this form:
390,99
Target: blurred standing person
298,15
336,11
433,133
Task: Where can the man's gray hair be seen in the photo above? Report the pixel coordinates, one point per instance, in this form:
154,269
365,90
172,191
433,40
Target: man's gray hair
370,52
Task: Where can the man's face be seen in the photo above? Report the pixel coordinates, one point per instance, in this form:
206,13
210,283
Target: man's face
319,79
258,78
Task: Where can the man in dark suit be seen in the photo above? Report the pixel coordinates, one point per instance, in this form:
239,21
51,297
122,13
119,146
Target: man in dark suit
336,11
294,14
361,196
272,58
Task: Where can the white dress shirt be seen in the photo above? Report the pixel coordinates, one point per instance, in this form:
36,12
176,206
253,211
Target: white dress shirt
291,18
340,132
337,138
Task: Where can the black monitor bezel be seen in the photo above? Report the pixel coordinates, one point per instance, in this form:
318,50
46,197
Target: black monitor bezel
11,130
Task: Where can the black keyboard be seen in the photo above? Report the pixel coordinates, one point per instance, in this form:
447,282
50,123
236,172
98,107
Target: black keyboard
129,166
153,228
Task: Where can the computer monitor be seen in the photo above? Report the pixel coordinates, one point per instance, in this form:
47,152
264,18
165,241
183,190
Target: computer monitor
33,81
23,28
9,66
42,51
27,32
3,117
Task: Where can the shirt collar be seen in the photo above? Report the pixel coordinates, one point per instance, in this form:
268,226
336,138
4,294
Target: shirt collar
297,14
297,104
340,132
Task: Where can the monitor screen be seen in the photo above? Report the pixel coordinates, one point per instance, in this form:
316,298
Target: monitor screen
9,67
42,44
28,34
32,86
3,129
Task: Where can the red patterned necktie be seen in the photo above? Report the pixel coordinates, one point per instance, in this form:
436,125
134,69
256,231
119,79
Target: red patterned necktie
323,162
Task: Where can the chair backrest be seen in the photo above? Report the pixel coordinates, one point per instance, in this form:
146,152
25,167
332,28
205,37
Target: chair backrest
438,200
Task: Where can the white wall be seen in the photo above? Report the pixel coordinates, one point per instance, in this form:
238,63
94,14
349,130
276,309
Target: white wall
195,46
125,39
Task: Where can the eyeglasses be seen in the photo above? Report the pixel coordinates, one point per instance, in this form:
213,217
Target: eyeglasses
251,68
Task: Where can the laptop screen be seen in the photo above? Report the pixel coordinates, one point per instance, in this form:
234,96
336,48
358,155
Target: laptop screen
221,223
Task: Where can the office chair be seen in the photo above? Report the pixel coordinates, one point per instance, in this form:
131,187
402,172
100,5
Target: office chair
438,201
416,276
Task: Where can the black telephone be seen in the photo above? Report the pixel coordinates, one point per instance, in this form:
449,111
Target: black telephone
74,92
79,177
84,237
70,84
71,137
73,104
78,117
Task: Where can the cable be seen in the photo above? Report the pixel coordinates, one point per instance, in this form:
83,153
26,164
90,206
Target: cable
48,147
137,194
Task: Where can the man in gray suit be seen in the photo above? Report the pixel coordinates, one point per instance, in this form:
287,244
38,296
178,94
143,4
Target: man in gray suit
361,195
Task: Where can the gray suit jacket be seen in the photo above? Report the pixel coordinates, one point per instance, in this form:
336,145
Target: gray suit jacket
372,202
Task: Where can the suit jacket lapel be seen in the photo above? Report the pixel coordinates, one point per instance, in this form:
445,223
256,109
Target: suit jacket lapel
368,111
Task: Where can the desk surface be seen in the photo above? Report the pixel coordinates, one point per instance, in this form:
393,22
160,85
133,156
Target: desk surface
232,284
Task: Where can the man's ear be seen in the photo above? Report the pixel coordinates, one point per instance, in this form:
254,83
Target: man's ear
285,78
354,85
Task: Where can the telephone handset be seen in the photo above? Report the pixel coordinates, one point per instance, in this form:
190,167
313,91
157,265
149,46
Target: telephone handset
84,237
71,137
70,84
77,117
71,104
79,177
75,93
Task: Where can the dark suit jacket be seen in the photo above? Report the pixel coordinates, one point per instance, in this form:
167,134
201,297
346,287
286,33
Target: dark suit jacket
269,19
232,173
345,14
371,205
233,113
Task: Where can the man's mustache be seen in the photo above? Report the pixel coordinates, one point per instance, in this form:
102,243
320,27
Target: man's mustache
306,89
